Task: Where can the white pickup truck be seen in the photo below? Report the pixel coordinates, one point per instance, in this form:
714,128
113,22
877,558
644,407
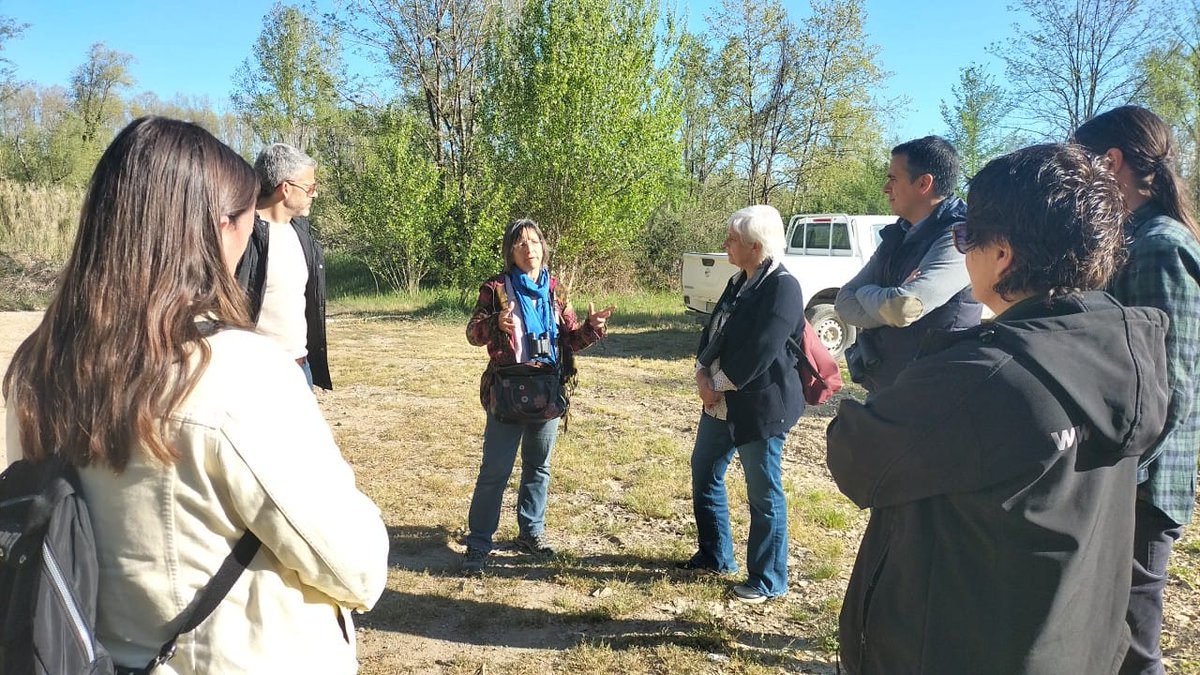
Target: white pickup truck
824,251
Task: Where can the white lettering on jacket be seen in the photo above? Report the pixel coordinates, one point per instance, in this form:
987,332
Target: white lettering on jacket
1068,438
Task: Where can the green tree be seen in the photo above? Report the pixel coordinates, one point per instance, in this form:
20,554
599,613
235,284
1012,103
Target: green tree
222,123
853,185
40,137
96,87
975,120
706,141
397,200
434,51
835,133
802,97
1172,72
1077,58
287,91
582,123
757,64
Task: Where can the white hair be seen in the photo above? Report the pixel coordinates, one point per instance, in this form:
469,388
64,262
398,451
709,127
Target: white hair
277,163
760,224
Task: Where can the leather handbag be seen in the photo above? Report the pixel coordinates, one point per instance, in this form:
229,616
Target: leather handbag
527,393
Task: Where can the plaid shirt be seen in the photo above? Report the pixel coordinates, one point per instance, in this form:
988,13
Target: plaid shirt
483,329
1163,271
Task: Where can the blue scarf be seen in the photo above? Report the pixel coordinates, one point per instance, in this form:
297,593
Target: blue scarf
540,320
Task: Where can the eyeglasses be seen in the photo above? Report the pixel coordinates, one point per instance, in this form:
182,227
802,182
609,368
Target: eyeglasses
962,240
309,190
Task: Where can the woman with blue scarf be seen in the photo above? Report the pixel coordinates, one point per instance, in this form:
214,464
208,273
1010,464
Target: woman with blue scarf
522,320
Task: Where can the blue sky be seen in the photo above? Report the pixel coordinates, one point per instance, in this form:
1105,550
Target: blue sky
194,48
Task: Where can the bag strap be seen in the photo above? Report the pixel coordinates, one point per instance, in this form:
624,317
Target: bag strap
803,362
210,596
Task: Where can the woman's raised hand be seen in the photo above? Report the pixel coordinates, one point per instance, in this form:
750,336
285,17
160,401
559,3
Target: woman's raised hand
506,320
599,319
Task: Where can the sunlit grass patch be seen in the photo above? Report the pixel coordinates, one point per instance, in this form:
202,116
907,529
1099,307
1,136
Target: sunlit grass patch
616,600
1189,545
824,508
822,570
406,414
822,619
657,490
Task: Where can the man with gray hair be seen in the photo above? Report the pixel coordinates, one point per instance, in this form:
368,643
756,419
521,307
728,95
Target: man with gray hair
285,282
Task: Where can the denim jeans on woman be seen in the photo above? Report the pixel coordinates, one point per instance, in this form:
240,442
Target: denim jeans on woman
767,547
500,442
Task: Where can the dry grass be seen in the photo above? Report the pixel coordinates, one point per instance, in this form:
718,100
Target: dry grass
38,221
406,414
37,230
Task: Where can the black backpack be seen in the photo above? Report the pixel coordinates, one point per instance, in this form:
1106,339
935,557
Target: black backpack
49,578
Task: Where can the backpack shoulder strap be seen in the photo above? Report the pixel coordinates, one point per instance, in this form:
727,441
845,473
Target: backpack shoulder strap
210,596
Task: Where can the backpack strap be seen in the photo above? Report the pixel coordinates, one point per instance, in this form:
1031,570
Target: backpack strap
210,596
802,359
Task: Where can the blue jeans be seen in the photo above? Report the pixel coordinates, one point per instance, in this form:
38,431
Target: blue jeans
307,373
767,548
500,441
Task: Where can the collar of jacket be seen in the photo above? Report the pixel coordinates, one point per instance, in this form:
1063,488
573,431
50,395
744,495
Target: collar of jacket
260,226
948,211
301,222
1040,306
1035,307
1142,215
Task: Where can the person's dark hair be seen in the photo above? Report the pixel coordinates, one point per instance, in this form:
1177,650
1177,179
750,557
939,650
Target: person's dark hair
1145,143
112,355
931,155
1059,208
512,234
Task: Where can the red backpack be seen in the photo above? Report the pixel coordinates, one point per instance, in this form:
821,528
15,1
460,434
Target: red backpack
819,373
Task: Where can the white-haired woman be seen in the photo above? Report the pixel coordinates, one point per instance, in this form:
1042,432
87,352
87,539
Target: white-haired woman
752,397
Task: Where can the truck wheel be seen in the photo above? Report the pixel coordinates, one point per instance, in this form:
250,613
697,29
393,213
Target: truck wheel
835,333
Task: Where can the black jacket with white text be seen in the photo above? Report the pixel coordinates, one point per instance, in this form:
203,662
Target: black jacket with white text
1000,473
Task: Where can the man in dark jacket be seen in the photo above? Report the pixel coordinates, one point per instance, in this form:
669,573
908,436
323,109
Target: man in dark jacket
1000,465
915,281
283,269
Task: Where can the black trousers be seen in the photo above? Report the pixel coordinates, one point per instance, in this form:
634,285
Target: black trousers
1154,534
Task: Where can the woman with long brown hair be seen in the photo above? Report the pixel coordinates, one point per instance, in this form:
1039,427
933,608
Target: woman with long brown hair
186,428
1163,271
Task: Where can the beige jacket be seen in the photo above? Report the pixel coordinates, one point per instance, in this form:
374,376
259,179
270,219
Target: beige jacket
257,453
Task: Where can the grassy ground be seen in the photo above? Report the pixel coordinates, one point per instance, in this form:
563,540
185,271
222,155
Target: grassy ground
405,413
